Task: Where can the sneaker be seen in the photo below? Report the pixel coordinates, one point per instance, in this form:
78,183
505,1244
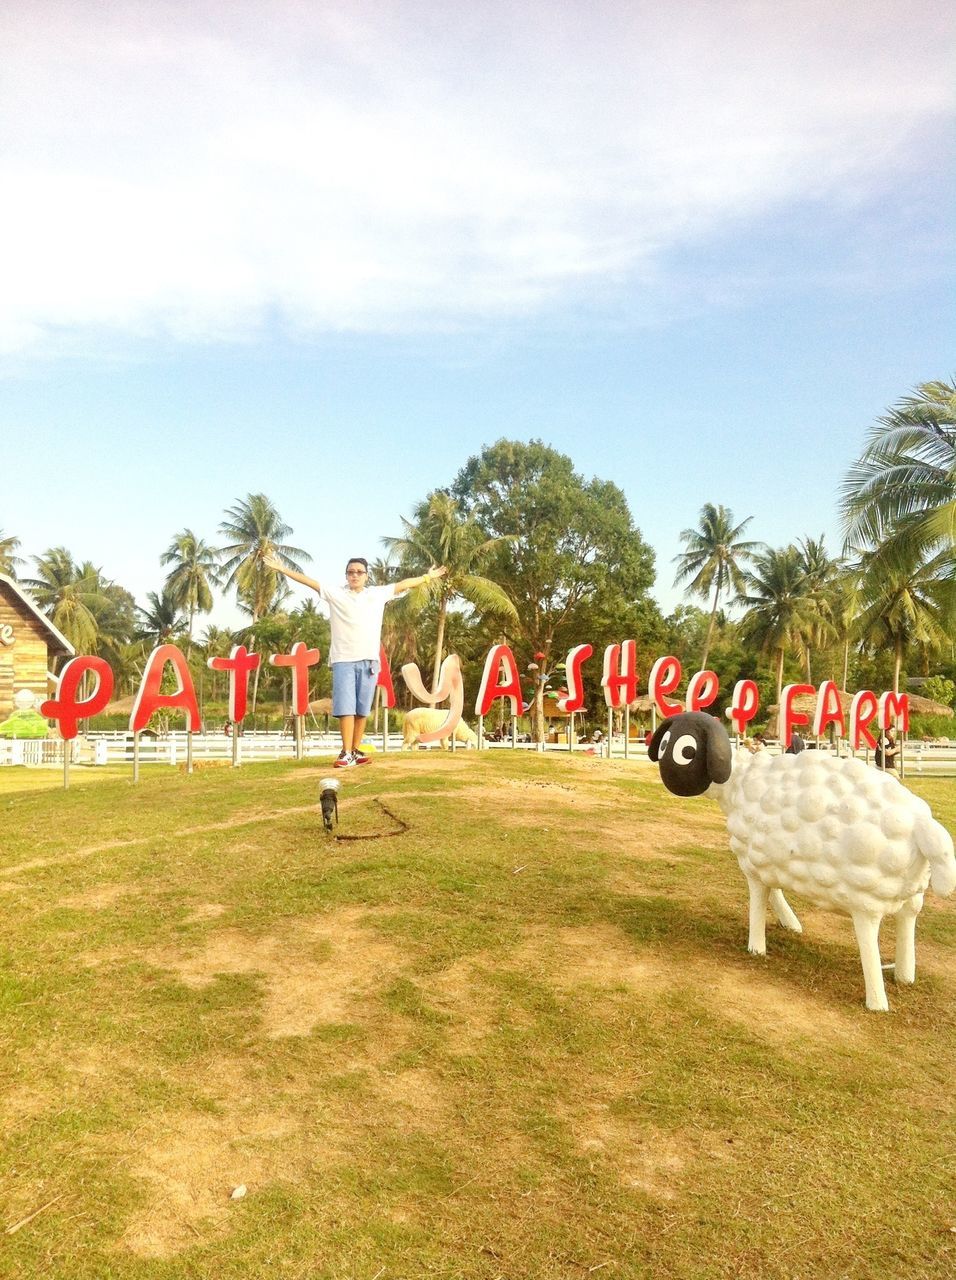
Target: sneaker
343,760
359,757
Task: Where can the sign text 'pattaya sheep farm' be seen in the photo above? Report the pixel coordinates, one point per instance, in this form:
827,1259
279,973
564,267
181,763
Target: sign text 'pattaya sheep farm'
500,679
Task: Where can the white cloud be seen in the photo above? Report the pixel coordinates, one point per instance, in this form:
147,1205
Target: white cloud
382,166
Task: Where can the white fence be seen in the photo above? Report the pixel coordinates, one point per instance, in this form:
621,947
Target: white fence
919,758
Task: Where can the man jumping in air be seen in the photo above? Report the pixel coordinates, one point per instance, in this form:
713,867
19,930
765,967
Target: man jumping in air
356,614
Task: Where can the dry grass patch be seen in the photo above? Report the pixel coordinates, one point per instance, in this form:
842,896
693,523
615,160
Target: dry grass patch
317,971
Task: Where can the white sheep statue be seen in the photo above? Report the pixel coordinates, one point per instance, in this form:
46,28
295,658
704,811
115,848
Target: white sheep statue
846,836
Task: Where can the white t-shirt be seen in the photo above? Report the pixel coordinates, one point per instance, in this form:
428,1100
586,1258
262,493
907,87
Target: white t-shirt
356,621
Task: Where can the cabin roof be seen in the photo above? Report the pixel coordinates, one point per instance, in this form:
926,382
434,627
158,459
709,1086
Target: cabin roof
55,639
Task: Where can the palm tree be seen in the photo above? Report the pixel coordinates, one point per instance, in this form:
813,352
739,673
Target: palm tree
162,620
713,556
8,559
257,531
908,608
820,574
900,498
216,642
438,534
779,613
71,596
381,571
845,612
194,574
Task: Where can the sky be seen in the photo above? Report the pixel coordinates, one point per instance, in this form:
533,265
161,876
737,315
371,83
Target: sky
328,252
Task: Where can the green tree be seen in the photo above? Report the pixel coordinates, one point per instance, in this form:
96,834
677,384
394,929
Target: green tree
115,612
712,560
161,621
820,577
903,609
778,613
257,531
9,560
193,575
900,498
567,548
940,689
70,596
438,534
844,610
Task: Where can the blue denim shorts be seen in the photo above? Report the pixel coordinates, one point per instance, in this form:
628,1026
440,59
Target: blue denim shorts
353,687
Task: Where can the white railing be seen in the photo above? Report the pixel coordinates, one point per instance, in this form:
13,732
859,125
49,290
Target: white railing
920,759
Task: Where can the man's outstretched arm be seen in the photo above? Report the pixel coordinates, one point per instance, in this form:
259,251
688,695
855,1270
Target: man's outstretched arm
407,584
271,562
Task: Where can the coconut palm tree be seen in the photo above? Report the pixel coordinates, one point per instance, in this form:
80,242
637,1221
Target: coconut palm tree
845,609
713,556
72,596
257,530
161,620
904,609
900,498
8,557
193,575
820,575
779,614
438,534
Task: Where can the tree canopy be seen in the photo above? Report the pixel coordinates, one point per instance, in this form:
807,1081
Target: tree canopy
569,555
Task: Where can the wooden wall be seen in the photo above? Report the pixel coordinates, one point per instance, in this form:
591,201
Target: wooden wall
23,664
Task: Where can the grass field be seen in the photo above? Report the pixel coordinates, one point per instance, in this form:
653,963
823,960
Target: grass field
523,1039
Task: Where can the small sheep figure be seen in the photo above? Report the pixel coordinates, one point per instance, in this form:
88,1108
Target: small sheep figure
426,720
847,837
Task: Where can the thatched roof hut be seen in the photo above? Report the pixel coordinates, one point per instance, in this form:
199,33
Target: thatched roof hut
641,710
119,706
921,706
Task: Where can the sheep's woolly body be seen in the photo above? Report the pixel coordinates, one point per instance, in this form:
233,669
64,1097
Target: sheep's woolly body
848,837
837,832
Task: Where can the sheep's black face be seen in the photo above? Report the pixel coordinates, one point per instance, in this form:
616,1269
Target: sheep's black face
693,750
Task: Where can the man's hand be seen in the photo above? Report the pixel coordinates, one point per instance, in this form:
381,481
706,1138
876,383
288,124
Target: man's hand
438,571
271,562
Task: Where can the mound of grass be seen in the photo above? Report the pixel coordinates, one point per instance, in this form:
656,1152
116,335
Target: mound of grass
523,1039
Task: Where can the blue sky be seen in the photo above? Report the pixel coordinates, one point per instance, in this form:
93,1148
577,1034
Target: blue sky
328,252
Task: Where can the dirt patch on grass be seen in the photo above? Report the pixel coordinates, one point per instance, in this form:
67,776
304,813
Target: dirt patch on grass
98,898
649,1160
601,957
593,955
205,911
169,837
416,1098
317,971
192,1162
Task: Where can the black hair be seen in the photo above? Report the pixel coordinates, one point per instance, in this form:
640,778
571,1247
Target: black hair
356,560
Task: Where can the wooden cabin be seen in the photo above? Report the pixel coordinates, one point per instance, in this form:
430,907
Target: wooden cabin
29,645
